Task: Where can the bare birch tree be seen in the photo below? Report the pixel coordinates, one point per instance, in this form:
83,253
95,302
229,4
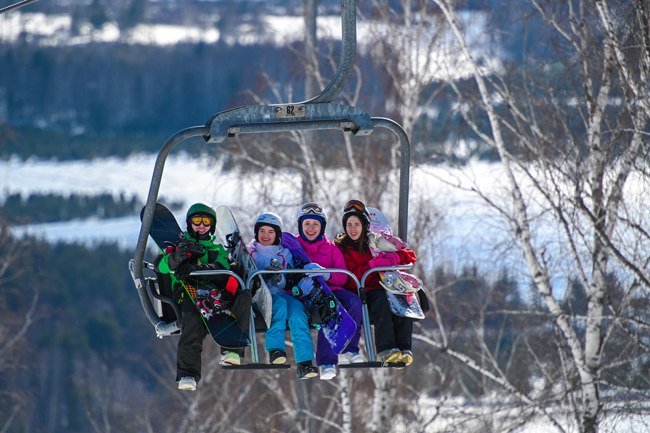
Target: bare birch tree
17,317
570,133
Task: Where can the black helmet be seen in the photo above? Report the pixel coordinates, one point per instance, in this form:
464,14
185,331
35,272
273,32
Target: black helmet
358,209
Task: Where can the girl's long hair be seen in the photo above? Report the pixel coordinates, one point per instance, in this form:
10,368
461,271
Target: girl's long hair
347,243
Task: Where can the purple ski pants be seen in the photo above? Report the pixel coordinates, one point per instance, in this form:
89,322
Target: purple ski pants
352,304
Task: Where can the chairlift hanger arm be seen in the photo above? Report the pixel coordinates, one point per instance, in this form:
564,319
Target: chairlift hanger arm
147,217
348,53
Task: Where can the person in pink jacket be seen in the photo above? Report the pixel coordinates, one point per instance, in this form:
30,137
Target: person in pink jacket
312,220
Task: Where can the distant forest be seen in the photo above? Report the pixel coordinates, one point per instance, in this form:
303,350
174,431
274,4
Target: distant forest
46,208
101,99
118,89
98,100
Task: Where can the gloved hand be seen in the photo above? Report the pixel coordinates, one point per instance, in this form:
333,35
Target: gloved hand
304,287
406,256
384,259
194,248
274,279
177,256
324,275
183,270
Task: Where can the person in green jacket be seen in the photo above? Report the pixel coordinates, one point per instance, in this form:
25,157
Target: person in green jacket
199,251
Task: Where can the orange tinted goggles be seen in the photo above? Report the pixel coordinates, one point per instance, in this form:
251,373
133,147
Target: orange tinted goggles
355,205
197,220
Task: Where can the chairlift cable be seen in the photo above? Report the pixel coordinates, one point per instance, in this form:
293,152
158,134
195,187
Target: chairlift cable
16,5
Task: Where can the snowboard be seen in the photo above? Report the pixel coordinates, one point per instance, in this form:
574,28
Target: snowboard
401,288
230,236
398,281
338,327
223,328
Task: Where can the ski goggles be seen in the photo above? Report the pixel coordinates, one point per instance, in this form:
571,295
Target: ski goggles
311,208
355,205
197,220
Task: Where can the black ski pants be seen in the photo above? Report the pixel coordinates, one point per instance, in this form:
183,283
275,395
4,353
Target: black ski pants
193,332
391,331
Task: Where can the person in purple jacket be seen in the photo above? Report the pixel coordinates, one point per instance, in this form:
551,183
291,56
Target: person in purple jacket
312,220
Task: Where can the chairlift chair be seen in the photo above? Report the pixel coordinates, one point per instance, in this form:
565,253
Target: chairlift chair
317,113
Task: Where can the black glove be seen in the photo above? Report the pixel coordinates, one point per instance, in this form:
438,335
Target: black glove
177,256
183,270
208,267
194,248
275,265
218,279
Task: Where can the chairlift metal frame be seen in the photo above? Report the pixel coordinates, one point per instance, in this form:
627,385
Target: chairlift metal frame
317,113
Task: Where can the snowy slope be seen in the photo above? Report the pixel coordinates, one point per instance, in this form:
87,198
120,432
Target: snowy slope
468,237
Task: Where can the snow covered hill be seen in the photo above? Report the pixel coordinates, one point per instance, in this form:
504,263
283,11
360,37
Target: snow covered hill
469,236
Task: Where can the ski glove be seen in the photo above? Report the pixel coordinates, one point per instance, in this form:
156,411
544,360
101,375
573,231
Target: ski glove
406,256
194,249
384,259
176,257
303,288
324,275
184,270
275,279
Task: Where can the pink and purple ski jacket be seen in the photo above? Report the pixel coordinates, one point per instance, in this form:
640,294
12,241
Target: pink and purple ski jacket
326,254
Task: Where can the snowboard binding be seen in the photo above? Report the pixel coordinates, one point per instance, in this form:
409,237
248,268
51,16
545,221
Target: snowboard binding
232,239
211,303
400,282
323,309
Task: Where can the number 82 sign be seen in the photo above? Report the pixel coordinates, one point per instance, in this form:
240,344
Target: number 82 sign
290,111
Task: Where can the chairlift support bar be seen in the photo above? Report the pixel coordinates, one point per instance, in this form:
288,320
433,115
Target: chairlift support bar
348,53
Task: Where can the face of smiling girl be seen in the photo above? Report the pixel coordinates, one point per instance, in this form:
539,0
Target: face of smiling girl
266,236
354,228
311,228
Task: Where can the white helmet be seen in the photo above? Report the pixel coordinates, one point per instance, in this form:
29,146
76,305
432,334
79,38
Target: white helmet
272,220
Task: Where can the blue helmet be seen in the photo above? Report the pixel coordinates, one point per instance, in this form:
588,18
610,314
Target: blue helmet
315,211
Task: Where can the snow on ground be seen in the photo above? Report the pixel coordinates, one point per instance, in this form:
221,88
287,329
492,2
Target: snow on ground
445,62
469,235
185,180
52,30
